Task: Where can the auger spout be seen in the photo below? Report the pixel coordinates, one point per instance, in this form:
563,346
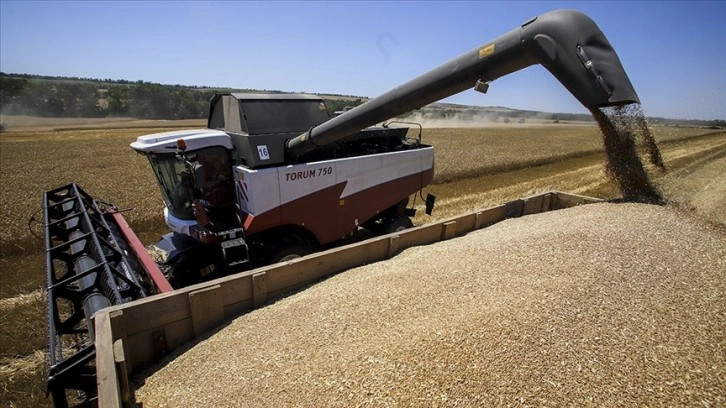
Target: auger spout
566,42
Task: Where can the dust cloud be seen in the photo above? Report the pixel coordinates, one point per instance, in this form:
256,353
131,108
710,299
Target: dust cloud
476,122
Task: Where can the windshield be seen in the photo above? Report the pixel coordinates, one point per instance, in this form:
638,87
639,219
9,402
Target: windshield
212,181
175,184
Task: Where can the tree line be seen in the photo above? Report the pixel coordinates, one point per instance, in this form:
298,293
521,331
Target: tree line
85,98
82,97
35,95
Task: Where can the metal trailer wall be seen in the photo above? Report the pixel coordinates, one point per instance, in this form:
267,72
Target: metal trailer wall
135,335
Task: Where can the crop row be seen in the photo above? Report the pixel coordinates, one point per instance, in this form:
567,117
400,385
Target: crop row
102,163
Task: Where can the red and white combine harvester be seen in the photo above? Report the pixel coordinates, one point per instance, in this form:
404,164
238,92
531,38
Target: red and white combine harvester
274,177
236,196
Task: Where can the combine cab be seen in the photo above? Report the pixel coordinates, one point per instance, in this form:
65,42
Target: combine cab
273,177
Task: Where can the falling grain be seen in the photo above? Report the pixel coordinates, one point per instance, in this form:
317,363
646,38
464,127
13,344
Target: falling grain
620,126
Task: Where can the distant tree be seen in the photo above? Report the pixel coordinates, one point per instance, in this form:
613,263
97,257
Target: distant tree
53,104
334,105
187,107
80,99
150,101
10,89
117,100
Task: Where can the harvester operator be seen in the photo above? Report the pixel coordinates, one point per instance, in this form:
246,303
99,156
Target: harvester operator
213,176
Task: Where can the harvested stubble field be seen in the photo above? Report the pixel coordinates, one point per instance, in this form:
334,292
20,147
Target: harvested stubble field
596,305
476,168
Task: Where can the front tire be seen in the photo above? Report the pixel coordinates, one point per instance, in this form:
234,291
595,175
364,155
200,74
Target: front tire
396,225
277,247
290,253
389,225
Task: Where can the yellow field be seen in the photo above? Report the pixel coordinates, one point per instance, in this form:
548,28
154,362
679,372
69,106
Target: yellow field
475,168
102,162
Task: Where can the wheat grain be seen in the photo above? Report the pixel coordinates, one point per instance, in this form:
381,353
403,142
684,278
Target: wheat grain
597,305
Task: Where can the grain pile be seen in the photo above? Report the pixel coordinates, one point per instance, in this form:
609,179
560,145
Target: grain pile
602,304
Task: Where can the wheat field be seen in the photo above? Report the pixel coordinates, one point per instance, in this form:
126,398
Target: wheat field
475,169
101,162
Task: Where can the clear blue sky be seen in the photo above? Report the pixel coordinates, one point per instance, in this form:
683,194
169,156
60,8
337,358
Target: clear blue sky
674,52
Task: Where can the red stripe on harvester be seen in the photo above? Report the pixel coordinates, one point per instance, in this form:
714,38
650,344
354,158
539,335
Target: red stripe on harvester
151,268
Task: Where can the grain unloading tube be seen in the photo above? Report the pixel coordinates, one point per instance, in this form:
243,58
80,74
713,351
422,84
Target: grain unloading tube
566,42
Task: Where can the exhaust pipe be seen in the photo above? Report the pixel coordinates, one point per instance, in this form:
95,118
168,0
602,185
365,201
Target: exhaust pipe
566,42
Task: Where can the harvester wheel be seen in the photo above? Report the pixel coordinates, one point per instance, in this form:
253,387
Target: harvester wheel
396,224
388,225
287,247
290,253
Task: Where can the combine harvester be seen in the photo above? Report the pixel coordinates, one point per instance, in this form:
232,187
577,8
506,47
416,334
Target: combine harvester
272,179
